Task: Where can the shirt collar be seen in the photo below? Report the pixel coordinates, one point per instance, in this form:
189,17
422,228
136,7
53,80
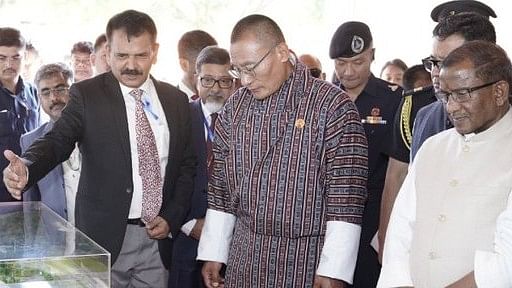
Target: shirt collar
20,85
145,87
184,88
207,114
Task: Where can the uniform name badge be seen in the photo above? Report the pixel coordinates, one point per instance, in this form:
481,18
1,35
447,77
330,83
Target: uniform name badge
374,118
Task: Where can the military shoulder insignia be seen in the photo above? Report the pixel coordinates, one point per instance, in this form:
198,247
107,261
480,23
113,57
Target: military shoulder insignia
405,119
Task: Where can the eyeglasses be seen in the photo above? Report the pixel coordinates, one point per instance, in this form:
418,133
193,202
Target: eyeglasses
15,58
430,62
461,95
239,72
208,82
315,72
59,91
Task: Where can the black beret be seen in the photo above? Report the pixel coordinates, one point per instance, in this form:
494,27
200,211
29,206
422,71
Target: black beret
459,6
350,39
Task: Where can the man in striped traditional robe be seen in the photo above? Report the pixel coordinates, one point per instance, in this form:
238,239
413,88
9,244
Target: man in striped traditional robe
288,188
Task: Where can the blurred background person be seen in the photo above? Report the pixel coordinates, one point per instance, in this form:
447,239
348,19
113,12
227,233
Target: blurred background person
189,46
416,77
32,62
99,55
81,60
313,64
393,71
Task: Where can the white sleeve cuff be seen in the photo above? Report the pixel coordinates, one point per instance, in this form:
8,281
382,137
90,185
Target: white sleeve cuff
339,254
216,236
490,270
394,274
187,227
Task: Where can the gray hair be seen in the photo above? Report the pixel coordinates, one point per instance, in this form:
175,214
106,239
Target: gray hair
50,70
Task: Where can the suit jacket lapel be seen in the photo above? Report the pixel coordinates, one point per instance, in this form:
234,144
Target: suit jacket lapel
118,110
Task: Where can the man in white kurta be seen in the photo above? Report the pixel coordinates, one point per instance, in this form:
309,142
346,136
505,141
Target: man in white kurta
446,227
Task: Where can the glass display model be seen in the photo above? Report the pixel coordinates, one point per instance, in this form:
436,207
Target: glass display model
38,248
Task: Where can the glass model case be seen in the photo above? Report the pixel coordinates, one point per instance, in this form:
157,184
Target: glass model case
38,248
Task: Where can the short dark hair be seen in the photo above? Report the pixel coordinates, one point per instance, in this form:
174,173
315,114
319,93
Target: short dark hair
264,28
29,47
134,23
470,26
99,42
50,70
82,47
192,42
212,55
490,61
395,62
11,37
413,74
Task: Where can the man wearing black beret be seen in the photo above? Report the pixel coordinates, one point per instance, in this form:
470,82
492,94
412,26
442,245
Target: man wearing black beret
377,101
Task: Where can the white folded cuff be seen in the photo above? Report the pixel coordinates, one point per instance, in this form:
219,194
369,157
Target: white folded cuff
187,227
216,236
339,254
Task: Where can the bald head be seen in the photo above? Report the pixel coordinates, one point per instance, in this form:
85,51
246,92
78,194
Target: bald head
313,64
310,61
260,27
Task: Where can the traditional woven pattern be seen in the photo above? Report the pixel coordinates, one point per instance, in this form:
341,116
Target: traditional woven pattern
149,163
284,166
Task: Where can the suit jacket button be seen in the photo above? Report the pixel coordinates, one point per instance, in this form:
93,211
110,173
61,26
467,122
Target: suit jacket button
129,190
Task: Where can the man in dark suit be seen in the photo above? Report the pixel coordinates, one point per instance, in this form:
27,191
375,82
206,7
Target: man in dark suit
58,188
214,85
138,164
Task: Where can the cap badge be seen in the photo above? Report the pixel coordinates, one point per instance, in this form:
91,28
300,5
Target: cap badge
357,44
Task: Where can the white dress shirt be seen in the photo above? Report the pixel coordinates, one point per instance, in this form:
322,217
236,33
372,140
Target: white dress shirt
71,169
184,88
158,123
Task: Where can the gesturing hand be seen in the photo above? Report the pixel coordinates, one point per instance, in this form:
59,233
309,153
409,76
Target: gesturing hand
15,174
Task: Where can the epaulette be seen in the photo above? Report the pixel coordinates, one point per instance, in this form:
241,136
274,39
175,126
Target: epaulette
405,114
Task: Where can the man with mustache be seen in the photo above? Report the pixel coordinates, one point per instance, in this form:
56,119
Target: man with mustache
214,86
58,188
133,132
19,105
